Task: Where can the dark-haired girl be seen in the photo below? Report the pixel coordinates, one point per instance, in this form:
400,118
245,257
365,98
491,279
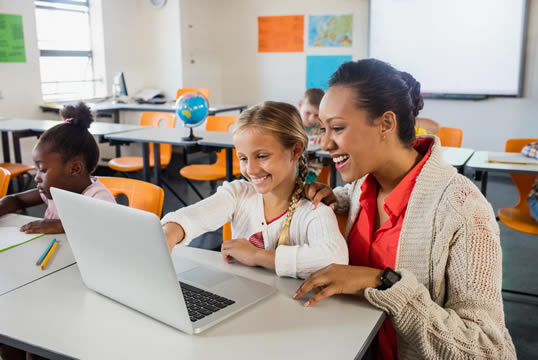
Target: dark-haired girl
423,241
65,156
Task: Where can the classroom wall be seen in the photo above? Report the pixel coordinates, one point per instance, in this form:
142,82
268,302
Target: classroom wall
20,82
221,38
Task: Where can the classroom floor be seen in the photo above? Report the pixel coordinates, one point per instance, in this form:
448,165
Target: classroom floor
520,251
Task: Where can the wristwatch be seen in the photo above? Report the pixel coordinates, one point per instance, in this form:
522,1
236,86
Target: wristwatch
389,278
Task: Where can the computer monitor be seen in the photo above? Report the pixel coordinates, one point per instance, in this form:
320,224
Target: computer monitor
118,85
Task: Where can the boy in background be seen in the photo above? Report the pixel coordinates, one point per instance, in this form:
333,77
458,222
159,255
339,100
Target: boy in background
309,109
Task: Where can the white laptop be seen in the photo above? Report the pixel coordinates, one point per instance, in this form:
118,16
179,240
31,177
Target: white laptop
122,253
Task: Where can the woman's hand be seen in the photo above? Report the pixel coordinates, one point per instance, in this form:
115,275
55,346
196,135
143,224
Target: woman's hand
339,279
317,192
47,226
174,234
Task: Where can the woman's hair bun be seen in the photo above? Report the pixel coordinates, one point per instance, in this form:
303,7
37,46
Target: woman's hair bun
414,92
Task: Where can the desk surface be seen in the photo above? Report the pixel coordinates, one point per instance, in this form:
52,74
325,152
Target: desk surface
96,128
17,265
158,135
225,140
454,156
132,106
89,326
479,161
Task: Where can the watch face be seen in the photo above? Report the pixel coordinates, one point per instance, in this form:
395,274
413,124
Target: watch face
392,276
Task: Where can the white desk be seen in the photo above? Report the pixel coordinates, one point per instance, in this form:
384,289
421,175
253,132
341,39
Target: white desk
479,162
456,157
114,107
30,127
58,315
17,265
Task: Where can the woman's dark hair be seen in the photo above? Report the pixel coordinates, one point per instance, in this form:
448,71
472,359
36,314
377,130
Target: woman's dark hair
72,138
378,88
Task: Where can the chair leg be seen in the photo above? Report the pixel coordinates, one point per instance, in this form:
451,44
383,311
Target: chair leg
194,188
174,193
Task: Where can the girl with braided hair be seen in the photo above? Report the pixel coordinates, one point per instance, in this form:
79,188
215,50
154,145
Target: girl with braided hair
273,225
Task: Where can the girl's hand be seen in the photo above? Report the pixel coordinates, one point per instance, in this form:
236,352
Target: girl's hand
317,192
240,250
47,226
339,279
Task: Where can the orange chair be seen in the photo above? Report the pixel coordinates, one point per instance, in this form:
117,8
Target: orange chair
450,136
203,91
136,163
5,176
518,217
227,231
324,175
17,171
140,194
217,170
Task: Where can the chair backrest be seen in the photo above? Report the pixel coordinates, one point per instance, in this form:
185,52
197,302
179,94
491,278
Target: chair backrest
523,182
159,119
222,124
5,177
450,136
203,91
140,194
324,175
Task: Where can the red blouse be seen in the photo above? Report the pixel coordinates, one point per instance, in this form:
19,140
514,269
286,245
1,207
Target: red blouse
378,249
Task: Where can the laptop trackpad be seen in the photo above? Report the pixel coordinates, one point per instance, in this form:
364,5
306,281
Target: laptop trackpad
204,276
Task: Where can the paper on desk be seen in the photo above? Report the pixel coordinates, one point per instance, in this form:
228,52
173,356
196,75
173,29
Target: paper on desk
511,158
11,236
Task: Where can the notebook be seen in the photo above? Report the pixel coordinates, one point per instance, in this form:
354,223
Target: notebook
122,254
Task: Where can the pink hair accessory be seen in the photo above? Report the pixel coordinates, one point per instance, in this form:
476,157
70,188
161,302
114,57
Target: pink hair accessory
68,120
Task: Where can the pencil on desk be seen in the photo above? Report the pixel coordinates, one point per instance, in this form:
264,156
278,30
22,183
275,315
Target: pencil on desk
38,262
511,162
49,255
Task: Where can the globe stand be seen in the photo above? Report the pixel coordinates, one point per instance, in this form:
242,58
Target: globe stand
191,137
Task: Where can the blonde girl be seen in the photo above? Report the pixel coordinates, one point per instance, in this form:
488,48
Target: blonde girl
273,226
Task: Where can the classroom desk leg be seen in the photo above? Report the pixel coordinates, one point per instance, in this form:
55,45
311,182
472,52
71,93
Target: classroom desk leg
332,175
145,158
157,164
5,146
229,164
484,184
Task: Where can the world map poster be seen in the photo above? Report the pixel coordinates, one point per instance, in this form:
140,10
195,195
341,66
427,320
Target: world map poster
330,30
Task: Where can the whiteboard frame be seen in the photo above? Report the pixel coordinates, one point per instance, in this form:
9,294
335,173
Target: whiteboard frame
476,96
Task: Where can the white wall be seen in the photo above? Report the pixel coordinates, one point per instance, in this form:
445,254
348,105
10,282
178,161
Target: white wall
223,44
221,37
20,82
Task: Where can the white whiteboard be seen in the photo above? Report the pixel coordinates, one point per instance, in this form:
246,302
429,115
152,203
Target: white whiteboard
452,46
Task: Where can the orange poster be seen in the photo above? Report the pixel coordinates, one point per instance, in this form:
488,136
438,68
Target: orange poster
281,33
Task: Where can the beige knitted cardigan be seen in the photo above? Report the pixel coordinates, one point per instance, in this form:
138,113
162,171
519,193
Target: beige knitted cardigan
448,304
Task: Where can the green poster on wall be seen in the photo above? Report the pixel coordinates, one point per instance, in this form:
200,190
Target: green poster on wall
11,39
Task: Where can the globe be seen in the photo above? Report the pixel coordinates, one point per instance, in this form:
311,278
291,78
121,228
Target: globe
192,110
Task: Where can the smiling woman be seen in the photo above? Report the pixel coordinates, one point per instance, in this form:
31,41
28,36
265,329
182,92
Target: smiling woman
423,242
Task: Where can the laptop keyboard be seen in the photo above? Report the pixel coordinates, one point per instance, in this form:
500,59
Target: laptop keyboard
202,303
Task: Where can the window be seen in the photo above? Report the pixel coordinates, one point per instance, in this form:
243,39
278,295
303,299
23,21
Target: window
65,45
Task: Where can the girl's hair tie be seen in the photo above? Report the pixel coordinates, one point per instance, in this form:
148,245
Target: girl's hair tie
68,120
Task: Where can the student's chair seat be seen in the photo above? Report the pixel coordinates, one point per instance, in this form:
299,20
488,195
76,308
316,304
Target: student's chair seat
518,217
17,171
136,163
5,176
451,137
203,91
217,170
140,194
